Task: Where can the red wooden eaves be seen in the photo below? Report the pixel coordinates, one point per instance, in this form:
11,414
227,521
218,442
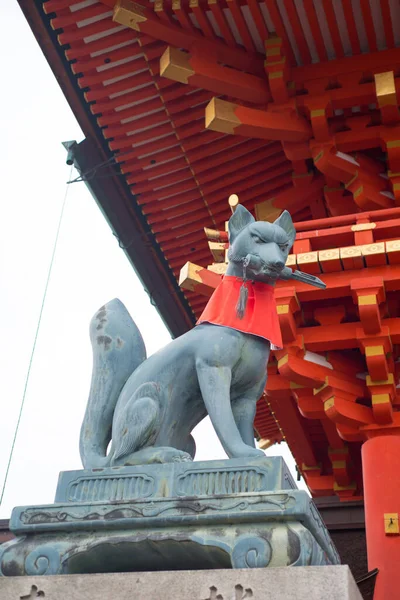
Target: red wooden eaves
176,36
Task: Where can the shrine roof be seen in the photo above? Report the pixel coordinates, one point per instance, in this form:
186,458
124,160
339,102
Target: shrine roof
178,172
182,104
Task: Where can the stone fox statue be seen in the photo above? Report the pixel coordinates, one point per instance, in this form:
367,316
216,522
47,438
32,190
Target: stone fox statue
148,407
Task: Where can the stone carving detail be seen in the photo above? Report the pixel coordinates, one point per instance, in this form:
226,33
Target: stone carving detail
203,529
94,489
225,481
44,560
239,593
251,552
34,593
184,507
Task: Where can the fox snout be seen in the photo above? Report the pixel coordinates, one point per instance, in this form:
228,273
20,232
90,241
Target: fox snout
276,265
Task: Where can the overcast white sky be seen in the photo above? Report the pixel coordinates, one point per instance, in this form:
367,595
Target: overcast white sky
89,269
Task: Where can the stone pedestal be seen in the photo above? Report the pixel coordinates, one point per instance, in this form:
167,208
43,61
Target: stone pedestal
304,583
201,515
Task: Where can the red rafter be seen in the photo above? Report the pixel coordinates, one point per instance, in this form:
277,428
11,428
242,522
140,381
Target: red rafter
85,50
258,19
183,17
222,23
280,29
241,25
202,20
351,27
315,29
387,23
333,28
369,25
180,38
298,32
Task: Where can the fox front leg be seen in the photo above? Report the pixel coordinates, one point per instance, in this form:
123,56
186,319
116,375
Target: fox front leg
244,411
215,383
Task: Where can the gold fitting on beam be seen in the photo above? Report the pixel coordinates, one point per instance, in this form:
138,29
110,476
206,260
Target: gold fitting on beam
339,488
296,386
307,468
220,116
389,381
318,112
283,361
380,399
339,464
174,64
282,309
374,351
391,521
264,444
385,89
266,211
129,14
367,300
363,226
329,403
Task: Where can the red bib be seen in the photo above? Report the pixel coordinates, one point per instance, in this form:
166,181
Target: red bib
260,319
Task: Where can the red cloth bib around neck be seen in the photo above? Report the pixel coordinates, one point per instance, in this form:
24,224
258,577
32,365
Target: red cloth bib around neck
260,319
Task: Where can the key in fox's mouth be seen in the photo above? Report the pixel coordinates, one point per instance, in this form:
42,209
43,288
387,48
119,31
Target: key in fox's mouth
270,271
270,274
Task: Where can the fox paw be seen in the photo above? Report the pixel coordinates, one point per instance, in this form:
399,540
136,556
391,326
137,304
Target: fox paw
182,457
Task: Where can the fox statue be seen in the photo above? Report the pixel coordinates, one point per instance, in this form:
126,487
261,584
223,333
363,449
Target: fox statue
148,407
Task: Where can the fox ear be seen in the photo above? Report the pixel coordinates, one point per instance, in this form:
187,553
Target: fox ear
284,221
238,221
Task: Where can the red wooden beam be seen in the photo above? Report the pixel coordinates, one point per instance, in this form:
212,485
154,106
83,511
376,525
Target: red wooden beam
342,336
231,118
365,62
200,71
142,19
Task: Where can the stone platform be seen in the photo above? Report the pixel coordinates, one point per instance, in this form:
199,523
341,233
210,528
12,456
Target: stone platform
304,583
202,515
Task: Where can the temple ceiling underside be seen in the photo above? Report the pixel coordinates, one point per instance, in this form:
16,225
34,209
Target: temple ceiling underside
291,105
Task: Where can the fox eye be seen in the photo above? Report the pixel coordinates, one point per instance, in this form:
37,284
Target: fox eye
257,239
284,247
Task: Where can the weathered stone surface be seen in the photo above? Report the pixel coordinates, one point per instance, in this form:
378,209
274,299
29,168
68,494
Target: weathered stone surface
149,407
311,583
216,514
200,478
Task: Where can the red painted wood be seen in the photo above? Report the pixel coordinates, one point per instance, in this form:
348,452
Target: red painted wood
369,25
333,28
381,473
315,29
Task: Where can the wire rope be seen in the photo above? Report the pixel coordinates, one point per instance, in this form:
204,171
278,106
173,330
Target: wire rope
35,338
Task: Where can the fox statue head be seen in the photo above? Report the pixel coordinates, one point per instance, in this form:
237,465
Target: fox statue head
258,250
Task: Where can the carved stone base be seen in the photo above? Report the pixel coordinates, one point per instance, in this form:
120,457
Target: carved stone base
311,583
204,515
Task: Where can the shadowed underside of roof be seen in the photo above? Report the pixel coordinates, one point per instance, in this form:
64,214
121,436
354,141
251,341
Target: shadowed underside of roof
179,172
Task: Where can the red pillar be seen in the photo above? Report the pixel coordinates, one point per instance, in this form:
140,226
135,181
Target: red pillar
381,474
